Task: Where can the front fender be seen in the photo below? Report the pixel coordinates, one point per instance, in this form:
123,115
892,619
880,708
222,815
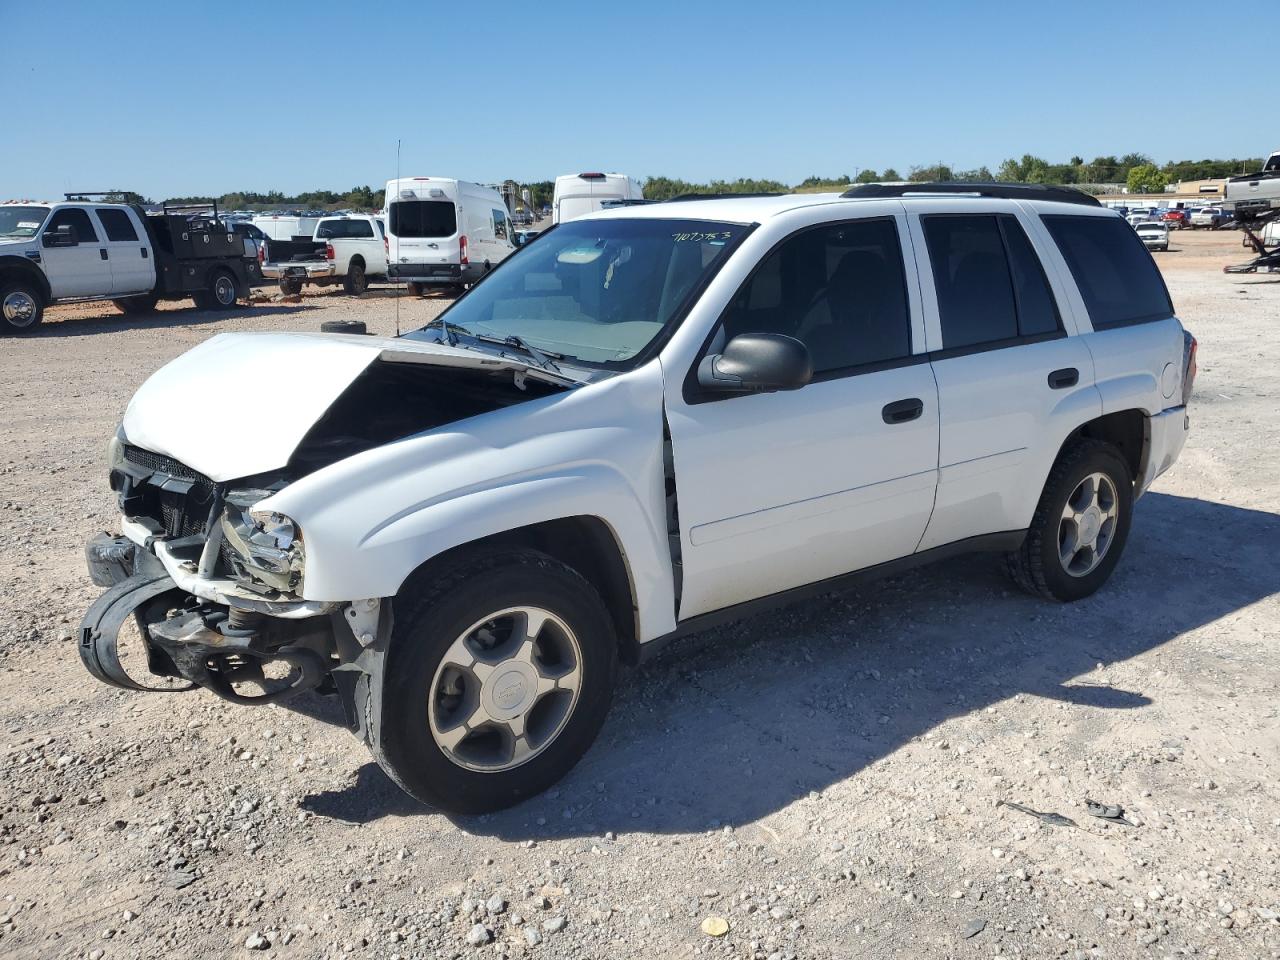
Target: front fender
370,521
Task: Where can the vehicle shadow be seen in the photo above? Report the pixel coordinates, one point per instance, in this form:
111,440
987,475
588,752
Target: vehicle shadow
738,722
113,321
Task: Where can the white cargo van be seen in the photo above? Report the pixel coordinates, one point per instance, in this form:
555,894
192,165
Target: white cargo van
443,232
578,194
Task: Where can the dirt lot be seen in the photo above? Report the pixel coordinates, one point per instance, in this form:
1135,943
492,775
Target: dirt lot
824,778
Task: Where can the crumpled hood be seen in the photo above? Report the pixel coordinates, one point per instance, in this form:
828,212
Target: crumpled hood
240,403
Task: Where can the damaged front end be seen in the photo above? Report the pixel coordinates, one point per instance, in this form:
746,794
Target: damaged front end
215,583
222,647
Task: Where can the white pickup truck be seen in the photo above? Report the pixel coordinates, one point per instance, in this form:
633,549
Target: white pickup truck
80,250
347,250
652,419
1255,195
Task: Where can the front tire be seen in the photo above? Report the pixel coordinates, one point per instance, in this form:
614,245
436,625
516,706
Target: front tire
1080,525
21,307
498,679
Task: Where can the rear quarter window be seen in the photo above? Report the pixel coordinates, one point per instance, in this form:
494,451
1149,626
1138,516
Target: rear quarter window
1117,278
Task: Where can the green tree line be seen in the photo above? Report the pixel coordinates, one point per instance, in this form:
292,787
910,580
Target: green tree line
1137,170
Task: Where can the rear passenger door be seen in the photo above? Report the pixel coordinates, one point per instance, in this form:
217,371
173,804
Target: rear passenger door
778,490
82,270
1011,380
132,270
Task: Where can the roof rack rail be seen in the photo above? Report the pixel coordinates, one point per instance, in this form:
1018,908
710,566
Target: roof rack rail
720,196
92,193
1008,191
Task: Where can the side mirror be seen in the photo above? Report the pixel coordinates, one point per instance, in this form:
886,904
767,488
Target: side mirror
757,363
63,236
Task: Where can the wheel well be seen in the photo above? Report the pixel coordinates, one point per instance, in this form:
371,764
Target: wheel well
356,259
586,544
1125,429
17,269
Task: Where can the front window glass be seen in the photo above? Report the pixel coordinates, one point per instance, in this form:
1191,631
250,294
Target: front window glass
598,291
423,218
20,222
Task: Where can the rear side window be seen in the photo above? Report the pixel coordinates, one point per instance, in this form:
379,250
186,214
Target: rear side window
423,218
499,225
1116,275
841,289
1037,310
989,281
77,218
344,230
117,225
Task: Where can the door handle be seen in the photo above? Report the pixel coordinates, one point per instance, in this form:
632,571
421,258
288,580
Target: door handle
1066,377
102,252
902,411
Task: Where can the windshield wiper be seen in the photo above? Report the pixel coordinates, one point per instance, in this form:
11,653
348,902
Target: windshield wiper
541,357
449,330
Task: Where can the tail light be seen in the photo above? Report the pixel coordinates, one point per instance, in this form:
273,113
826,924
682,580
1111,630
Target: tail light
386,245
262,253
1189,346
328,252
462,249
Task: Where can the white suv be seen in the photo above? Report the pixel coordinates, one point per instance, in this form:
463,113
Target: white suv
650,419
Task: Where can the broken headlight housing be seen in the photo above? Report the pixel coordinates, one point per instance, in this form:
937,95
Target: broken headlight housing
265,548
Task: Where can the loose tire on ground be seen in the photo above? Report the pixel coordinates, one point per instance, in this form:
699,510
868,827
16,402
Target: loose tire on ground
355,282
137,305
1038,566
290,287
432,618
344,326
21,306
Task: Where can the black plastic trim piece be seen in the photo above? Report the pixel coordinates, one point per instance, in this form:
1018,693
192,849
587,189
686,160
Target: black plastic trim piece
1004,191
995,345
988,542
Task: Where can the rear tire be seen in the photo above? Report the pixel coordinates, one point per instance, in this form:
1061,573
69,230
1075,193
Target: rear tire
21,306
137,305
1046,564
414,289
221,295
445,738
291,288
355,282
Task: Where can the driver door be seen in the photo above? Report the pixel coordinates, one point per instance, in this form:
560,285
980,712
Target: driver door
778,490
82,270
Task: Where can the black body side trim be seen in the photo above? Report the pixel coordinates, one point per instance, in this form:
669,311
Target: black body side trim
988,542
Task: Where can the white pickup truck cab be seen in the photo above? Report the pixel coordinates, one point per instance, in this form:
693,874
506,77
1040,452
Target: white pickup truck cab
651,419
81,250
349,250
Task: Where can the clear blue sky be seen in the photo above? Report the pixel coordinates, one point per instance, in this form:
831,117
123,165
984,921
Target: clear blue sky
181,97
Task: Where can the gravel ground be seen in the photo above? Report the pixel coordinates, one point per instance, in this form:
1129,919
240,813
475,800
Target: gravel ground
819,782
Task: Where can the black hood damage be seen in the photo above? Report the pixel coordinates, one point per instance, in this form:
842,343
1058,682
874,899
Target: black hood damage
390,401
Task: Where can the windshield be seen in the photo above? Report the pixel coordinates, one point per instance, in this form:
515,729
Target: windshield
21,222
598,291
423,218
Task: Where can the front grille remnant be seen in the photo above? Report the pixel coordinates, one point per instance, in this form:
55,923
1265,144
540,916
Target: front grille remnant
182,511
